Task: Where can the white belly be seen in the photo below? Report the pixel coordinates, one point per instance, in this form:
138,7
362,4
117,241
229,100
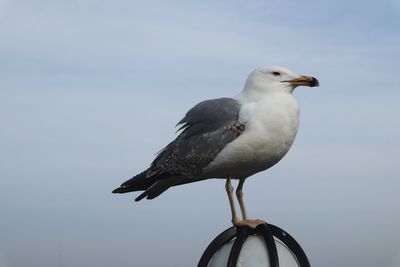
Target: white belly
270,128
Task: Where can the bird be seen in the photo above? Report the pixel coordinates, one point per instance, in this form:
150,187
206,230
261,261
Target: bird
229,138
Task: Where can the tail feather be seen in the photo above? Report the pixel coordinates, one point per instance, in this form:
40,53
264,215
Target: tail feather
137,183
153,185
155,190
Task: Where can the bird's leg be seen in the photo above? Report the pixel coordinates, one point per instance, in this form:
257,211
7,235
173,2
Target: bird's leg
245,221
239,195
229,191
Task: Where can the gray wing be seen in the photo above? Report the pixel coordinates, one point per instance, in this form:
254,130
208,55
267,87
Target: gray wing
207,128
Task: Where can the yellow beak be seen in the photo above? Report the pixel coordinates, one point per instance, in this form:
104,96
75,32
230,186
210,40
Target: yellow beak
304,80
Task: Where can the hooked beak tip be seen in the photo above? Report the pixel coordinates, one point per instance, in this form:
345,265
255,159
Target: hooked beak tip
314,82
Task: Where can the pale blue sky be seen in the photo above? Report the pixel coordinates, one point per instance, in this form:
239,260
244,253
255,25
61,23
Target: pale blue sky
90,91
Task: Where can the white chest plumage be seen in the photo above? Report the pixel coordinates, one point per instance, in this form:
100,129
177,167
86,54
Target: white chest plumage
271,125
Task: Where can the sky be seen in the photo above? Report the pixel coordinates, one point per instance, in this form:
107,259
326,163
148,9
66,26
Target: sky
91,90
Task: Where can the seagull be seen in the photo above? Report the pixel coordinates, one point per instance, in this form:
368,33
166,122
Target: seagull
229,138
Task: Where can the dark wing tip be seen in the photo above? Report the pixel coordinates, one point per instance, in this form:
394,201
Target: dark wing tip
141,196
119,190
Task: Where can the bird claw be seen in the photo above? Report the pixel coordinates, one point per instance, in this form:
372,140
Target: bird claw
250,223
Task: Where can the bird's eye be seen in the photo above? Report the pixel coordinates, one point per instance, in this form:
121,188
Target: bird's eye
275,73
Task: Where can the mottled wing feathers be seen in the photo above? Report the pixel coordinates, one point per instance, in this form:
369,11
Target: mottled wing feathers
206,129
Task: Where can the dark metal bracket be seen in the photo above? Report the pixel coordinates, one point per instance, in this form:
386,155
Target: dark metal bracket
241,233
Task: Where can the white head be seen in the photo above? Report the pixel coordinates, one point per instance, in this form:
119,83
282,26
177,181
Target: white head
275,79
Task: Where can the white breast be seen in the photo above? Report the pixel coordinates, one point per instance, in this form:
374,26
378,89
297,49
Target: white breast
271,125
